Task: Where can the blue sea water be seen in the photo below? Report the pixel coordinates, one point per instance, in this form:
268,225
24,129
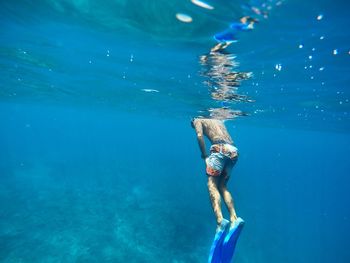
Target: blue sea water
98,161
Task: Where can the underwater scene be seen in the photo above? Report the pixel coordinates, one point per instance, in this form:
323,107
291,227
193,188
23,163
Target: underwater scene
98,159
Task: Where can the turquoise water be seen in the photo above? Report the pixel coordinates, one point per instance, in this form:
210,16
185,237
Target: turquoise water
98,161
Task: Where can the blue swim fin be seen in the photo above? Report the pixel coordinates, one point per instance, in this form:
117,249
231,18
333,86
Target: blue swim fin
240,26
230,241
226,36
216,247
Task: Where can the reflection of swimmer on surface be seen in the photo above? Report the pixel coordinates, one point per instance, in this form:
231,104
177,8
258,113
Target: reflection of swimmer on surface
219,163
223,80
229,83
225,113
220,46
256,10
229,95
234,76
246,23
230,35
218,56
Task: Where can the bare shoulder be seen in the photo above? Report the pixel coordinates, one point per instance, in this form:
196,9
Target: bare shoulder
213,123
208,124
197,125
197,122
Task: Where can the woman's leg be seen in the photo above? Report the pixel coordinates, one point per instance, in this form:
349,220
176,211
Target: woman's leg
226,195
215,198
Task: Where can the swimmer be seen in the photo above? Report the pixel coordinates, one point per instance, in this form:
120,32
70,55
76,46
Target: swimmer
229,95
225,113
234,76
249,21
222,158
229,36
220,46
246,23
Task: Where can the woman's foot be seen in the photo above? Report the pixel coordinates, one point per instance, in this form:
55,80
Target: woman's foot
222,225
233,220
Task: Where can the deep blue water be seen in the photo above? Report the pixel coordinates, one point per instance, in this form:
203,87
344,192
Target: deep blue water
98,161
